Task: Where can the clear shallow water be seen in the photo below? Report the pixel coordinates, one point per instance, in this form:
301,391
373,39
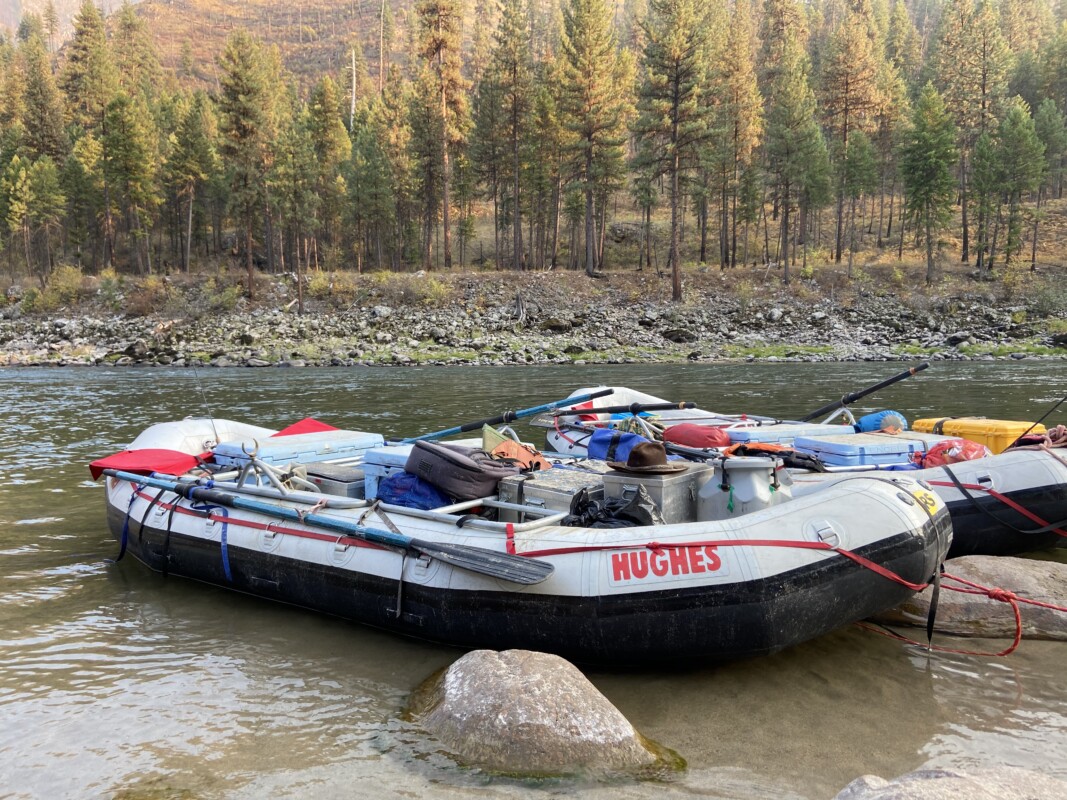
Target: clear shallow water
115,681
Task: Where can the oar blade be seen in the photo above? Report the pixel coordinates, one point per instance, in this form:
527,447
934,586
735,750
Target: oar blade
504,566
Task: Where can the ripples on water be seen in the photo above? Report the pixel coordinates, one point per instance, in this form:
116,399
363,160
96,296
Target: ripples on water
115,679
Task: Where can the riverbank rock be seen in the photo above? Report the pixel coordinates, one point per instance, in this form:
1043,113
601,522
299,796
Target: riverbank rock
522,712
1005,783
962,614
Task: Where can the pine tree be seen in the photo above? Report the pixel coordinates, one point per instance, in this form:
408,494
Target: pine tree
132,167
850,97
371,204
904,44
971,63
42,117
928,154
512,65
675,116
135,54
50,18
440,36
331,148
89,78
46,207
794,140
1022,164
16,197
1050,124
596,105
247,125
193,160
489,145
296,179
739,121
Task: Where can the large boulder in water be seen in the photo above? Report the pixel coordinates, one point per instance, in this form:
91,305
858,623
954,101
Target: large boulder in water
963,614
1004,783
522,712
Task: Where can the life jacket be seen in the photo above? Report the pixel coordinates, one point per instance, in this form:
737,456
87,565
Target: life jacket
522,455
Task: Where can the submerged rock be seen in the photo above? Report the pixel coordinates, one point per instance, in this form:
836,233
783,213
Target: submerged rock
523,712
1004,783
977,615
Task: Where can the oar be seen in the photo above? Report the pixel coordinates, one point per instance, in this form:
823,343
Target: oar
512,568
507,416
854,396
633,408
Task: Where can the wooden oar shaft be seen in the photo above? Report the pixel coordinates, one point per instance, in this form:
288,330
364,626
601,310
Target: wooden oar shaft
854,396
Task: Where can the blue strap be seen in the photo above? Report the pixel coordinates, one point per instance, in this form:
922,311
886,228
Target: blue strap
225,525
126,522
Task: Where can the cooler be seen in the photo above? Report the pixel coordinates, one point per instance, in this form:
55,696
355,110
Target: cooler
303,448
866,449
675,494
550,489
996,434
337,479
784,434
383,461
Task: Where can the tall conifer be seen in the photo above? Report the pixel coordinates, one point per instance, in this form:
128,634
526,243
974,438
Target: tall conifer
596,105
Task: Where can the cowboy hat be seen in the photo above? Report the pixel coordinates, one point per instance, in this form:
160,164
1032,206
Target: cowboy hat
648,458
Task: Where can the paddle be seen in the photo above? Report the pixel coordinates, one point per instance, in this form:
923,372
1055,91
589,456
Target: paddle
512,568
507,416
854,396
633,408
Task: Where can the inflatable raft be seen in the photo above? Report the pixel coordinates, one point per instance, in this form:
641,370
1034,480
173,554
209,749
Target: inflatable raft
1013,502
685,591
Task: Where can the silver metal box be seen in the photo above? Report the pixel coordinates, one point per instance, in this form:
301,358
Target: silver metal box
675,494
551,489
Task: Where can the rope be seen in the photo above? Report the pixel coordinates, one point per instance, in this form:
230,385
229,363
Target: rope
993,593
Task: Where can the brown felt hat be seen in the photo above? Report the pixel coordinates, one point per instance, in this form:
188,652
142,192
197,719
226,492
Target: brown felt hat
649,458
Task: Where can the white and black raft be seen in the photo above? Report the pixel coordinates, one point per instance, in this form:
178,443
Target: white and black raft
694,590
1005,504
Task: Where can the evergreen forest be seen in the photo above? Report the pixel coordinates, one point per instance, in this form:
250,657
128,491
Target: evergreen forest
587,135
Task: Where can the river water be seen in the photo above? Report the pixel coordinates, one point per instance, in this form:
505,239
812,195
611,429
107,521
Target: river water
116,682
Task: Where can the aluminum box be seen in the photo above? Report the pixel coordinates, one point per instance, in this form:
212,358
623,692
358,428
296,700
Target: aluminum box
675,494
550,489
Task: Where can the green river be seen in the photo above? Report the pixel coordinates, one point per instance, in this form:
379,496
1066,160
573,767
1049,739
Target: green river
116,682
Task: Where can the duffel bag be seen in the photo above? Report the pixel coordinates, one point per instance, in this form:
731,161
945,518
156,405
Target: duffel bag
462,473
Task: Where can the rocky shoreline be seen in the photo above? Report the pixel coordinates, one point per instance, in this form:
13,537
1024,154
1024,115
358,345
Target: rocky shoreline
494,322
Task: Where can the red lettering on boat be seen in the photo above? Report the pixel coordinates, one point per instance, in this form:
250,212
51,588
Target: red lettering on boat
659,563
696,560
639,564
679,561
620,566
712,558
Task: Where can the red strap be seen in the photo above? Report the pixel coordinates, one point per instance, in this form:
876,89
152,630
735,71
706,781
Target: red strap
510,538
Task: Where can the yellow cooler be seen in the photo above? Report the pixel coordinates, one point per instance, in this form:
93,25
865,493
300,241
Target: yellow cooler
996,434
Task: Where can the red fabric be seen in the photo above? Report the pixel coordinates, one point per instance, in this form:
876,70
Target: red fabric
145,462
588,404
306,425
952,451
689,434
